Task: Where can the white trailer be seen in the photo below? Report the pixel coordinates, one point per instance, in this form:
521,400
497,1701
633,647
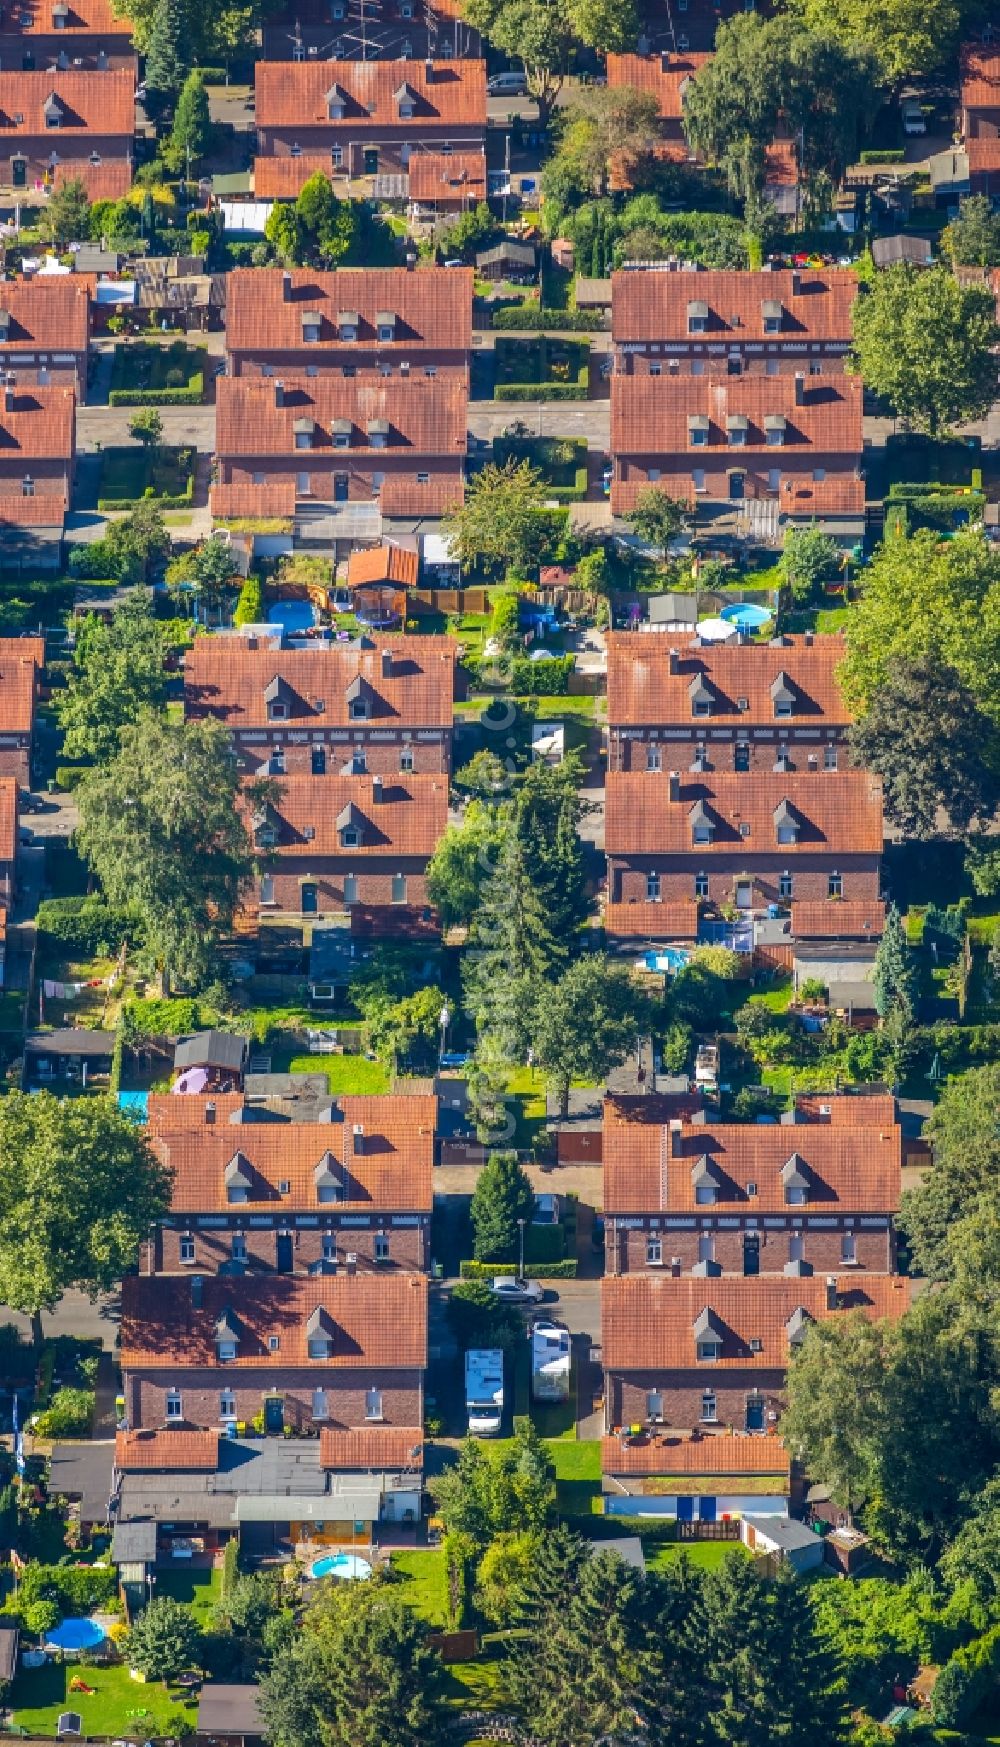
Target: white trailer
550,1362
484,1391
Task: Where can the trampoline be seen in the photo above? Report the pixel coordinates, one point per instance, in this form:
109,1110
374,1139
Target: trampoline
76,1635
746,615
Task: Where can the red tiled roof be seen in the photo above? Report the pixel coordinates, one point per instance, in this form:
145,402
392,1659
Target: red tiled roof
854,1110
647,419
724,1454
232,502
18,511
643,692
223,678
648,921
432,306
110,180
389,563
984,165
801,495
47,314
8,818
836,920
647,1321
284,178
650,304
447,176
40,427
84,18
379,1321
21,661
780,167
839,811
409,819
95,102
293,94
389,1113
980,77
375,1448
167,1450
648,1169
426,415
666,76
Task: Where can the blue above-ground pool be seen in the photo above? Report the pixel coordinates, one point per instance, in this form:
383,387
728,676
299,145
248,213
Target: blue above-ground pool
667,958
76,1635
746,615
340,1565
292,615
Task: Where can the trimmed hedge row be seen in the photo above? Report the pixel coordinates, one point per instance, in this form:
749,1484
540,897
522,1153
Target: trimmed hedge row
567,321
895,156
540,391
86,925
178,501
250,606
193,395
541,679
565,1270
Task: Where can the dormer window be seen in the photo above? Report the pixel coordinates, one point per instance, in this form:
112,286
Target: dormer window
340,430
358,700
349,825
737,428
237,1179
797,1326
697,313
795,1181
319,1334
378,433
698,426
770,311
326,1177
336,103
227,1337
701,697
774,430
782,695
702,825
706,1181
265,836
348,323
708,1338
53,111
385,322
60,16
786,824
302,432
312,326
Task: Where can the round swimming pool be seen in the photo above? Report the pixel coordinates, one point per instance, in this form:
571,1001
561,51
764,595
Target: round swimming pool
76,1635
292,615
341,1565
746,615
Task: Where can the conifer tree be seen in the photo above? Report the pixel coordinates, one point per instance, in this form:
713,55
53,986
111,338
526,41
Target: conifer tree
166,60
896,974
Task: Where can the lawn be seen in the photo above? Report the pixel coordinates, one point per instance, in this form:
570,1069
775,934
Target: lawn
119,1705
127,473
139,366
577,1463
346,1075
561,461
97,1007
475,1685
709,1555
776,1000
198,1589
425,1586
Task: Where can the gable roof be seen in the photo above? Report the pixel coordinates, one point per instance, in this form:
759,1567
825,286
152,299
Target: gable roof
447,176
379,1320
646,420
822,920
643,691
723,1454
96,102
8,818
375,1448
49,313
293,94
652,305
648,1321
665,75
839,812
408,819
39,427
274,499
284,178
226,679
432,306
21,662
82,18
388,563
166,1450
980,76
648,1167
257,417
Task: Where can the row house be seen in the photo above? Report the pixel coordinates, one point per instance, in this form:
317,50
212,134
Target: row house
22,661
37,443
667,77
45,332
335,710
676,841
790,445
255,1193
399,444
85,35
717,1199
695,1354
369,117
980,91
8,846
60,127
312,30
725,706
352,323
31,533
445,184
350,846
695,1479
304,1351
666,322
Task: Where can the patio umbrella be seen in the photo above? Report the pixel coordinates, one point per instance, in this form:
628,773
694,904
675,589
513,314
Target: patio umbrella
716,630
195,1080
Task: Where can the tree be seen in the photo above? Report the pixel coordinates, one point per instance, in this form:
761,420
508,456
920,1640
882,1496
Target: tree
162,1641
657,517
810,559
382,1684
925,736
836,1408
472,229
480,1319
79,1189
973,1557
65,217
907,38
283,231
509,1490
925,343
964,1133
502,523
927,598
329,223
192,130
8,1517
609,26
167,61
209,33
117,673
538,33
896,977
511,952
503,1196
504,1574
483,777
464,860
589,1022
487,1106
146,426
214,565
608,132
973,238
249,1603
163,825
41,1617
547,814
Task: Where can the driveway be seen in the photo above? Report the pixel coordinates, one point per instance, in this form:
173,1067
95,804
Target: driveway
575,418
101,427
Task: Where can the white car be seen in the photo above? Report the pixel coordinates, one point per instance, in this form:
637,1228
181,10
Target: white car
513,1291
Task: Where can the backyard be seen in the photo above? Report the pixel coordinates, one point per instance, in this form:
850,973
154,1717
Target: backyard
118,1705
542,360
139,367
561,461
128,473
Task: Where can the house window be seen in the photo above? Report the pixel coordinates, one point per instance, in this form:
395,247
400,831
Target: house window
236,1194
795,1197
423,478
227,1352
698,478
267,888
774,479
709,1352
706,1247
302,485
329,1247
697,366
756,1344
350,888
656,370
265,837
835,886
771,367
653,888
702,834
239,1247
788,834
341,439
848,1247
373,1404
319,761
701,885
27,486
785,887
350,369
653,474
399,888
381,1246
406,759
709,1409
819,474
741,755
654,1252
654,1406
277,761
378,480
174,1404
274,1343
187,1249
654,758
319,1404
705,1197
319,1347
698,437
359,762
359,710
227,1405
829,758
430,369
303,440
349,837
257,478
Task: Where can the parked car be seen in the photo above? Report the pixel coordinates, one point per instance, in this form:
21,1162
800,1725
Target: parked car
507,85
513,1291
28,803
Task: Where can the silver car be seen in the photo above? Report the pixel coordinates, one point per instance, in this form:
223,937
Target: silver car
517,1291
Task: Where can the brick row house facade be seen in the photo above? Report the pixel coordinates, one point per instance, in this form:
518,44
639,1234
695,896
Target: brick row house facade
666,322
8,846
397,443
22,660
36,35
65,126
45,332
367,118
37,443
351,323
716,1199
255,1193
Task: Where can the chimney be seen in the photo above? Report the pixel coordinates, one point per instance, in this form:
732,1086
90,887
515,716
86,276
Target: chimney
387,664
831,1292
376,789
675,785
286,287
358,1138
674,661
210,1111
196,1285
796,284
675,1139
675,1267
429,71
665,61
800,388
251,642
8,395
808,639
279,394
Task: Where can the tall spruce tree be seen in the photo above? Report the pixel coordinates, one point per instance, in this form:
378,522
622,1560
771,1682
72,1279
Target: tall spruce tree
772,1677
167,60
512,949
547,813
896,975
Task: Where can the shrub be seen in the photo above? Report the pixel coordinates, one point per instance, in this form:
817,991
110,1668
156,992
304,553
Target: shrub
163,1641
540,391
74,1589
68,775
87,926
67,1415
528,315
230,1568
191,395
564,1270
250,606
894,156
41,1617
548,678
966,1680
153,1017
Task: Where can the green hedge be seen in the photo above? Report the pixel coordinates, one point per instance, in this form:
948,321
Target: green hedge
69,775
78,1589
565,1270
544,1244
567,321
250,606
541,679
88,926
896,156
176,502
193,395
540,391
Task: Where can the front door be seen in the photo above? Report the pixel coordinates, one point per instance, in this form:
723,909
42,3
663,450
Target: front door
19,172
283,1253
707,1511
340,488
755,1413
310,900
274,1415
744,895
736,491
371,160
685,1510
751,1253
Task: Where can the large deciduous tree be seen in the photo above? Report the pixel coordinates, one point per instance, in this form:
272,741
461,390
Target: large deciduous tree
589,1022
905,37
927,345
964,1133
65,217
79,1189
163,825
936,752
973,238
503,1196
502,524
163,1640
657,516
117,673
836,1403
463,862
538,33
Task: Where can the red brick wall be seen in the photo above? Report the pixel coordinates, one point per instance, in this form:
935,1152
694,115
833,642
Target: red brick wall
402,1394
632,473
16,761
72,149
327,874
28,372
629,752
810,875
390,143
52,478
715,362
626,1250
85,46
430,757
408,1249
365,360
626,1395
400,493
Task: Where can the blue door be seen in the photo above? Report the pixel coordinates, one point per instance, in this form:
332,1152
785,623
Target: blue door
708,1510
755,1413
274,1415
284,1253
685,1510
